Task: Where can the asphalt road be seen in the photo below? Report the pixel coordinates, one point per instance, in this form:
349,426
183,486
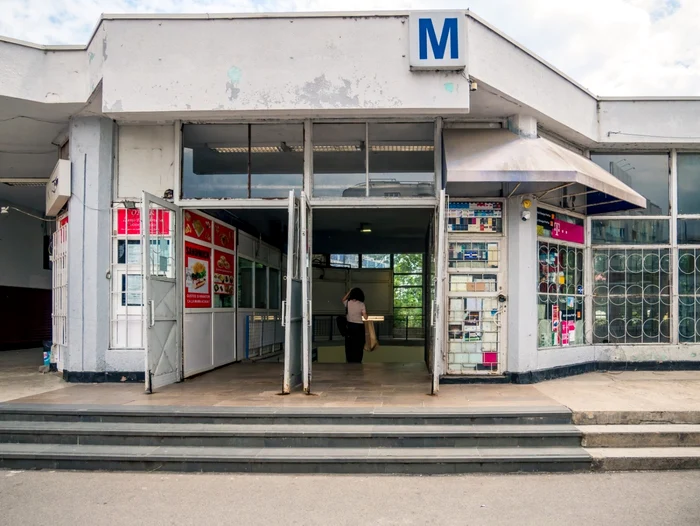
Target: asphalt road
68,498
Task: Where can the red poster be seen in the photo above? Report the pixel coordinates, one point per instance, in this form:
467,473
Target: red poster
197,276
567,231
224,237
555,318
129,221
197,226
223,273
64,221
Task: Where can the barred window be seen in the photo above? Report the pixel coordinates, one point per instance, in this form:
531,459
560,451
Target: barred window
689,295
632,295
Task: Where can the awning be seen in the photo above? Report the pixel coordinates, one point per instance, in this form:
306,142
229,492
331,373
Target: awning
532,166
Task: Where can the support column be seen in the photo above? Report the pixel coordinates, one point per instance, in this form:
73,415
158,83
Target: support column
522,287
89,245
523,125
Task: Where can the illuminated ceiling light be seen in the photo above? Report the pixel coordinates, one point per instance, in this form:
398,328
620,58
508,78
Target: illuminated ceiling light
337,148
402,148
273,148
365,228
231,149
24,182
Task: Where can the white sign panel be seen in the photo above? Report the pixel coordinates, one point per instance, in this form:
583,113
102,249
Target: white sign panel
58,188
438,40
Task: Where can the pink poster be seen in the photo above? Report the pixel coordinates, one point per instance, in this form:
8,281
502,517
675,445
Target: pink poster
567,231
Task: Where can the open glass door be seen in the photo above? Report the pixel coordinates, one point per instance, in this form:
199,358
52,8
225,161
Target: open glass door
306,278
160,248
438,317
292,307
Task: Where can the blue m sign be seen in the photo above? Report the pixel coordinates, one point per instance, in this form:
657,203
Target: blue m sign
438,40
426,32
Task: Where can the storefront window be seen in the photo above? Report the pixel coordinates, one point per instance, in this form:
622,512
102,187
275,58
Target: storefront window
689,183
260,286
689,295
648,174
560,295
339,160
630,231
245,283
631,295
345,260
401,160
242,161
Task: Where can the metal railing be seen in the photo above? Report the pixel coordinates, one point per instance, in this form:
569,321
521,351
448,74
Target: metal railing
393,328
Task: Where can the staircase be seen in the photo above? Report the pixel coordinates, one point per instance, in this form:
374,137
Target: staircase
289,440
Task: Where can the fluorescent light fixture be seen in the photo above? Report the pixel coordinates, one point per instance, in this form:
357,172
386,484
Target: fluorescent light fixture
323,148
28,181
365,228
268,148
402,148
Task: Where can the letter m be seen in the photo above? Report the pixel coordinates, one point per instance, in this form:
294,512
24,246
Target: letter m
426,31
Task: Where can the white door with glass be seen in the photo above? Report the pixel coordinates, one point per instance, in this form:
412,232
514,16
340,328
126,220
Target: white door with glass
292,307
438,306
162,301
306,277
476,305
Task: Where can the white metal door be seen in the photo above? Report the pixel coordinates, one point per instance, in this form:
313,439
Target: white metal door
438,319
292,315
160,248
306,278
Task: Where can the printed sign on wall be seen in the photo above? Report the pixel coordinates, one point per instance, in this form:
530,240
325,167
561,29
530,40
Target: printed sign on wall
197,227
129,222
197,276
223,272
224,237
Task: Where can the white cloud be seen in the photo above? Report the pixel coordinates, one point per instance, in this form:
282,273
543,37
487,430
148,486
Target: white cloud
612,47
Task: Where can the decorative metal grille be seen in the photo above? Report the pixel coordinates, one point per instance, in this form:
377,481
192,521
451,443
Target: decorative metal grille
632,295
689,295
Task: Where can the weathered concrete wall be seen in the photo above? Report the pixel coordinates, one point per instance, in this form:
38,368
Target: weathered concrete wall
146,161
674,122
35,74
517,75
284,65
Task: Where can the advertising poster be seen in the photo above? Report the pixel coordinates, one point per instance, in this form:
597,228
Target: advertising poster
224,237
129,222
555,318
223,273
197,227
197,276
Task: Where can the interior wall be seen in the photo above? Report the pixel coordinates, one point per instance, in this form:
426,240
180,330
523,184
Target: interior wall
331,284
22,249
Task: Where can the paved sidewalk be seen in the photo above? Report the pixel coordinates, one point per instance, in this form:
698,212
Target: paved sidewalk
365,386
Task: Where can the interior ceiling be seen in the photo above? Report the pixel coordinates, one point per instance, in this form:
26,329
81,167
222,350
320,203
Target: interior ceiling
337,230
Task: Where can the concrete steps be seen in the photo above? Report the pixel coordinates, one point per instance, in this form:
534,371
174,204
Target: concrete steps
289,435
643,446
299,440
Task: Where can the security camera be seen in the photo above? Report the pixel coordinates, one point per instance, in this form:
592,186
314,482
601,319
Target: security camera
525,215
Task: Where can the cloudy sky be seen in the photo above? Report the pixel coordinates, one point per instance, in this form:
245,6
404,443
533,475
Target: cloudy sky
612,47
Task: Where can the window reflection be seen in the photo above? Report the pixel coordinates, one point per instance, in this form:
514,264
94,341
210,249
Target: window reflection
648,174
689,183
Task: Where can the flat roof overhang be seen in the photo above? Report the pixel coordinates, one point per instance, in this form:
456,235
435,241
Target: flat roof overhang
488,159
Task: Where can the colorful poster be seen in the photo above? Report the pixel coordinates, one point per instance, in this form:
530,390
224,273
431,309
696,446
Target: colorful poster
224,237
129,222
197,227
197,277
223,273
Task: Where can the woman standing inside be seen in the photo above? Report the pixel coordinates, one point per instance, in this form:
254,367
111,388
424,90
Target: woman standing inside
354,302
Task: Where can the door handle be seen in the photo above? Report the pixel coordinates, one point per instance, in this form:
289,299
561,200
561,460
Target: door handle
284,313
151,313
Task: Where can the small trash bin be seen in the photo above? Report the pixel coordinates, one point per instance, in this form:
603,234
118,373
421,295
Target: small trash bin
47,352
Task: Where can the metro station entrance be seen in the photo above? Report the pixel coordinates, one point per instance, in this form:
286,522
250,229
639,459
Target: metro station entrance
265,286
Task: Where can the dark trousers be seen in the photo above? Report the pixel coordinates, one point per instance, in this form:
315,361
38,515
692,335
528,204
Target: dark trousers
355,342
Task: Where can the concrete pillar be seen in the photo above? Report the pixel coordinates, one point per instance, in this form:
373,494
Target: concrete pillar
89,245
523,125
522,287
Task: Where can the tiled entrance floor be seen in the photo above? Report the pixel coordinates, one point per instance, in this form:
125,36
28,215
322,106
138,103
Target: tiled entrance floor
334,385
